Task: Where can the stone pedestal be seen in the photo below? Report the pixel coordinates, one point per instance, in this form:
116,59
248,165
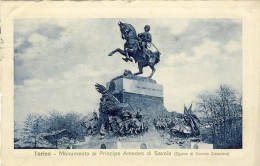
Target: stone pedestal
140,92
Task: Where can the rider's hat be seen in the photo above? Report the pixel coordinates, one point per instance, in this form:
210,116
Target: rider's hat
147,26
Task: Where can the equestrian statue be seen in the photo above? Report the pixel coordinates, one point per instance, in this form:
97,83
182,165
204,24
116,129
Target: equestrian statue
136,48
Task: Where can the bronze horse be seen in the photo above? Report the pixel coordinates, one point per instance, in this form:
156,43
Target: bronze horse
133,50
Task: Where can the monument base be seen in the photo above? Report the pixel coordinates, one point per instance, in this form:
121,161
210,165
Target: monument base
140,93
134,93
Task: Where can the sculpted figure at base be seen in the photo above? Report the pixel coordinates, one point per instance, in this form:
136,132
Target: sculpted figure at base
109,105
90,124
114,117
182,125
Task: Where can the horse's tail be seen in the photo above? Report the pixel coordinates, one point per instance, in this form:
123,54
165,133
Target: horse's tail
157,58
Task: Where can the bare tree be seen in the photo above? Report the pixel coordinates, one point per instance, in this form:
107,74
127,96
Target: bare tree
222,112
33,127
55,122
73,124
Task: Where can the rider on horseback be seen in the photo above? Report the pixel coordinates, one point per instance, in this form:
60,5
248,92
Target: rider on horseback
136,48
145,38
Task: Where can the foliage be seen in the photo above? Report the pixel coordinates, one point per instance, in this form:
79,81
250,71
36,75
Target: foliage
33,127
221,113
37,126
73,124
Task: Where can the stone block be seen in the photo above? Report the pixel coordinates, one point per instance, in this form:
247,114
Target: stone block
140,93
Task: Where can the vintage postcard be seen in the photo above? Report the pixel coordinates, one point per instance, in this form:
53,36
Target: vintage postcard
130,83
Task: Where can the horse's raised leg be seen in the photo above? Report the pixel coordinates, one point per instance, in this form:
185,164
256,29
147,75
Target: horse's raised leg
122,52
153,70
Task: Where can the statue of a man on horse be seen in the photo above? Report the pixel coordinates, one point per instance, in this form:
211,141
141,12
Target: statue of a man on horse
136,47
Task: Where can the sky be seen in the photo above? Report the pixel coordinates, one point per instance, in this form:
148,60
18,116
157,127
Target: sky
58,61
